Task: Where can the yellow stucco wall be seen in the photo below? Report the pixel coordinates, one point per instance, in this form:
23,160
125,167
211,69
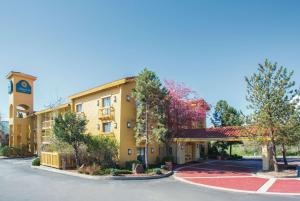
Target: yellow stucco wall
32,129
19,127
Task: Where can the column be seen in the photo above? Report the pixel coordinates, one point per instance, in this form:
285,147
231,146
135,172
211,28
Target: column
197,147
206,149
266,157
180,153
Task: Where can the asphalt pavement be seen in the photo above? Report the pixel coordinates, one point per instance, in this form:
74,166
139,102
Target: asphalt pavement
19,182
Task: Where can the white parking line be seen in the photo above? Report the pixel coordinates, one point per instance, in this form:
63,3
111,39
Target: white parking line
264,188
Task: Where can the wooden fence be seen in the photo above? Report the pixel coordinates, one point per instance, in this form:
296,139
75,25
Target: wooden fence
58,160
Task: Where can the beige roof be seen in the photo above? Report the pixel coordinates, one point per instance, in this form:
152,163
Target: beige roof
53,109
11,73
102,87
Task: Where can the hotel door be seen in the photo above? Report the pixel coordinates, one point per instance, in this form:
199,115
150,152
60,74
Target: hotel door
141,154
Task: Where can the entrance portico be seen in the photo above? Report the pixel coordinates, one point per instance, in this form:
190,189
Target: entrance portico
193,144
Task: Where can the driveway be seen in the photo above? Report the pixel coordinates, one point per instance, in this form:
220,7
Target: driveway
237,176
19,182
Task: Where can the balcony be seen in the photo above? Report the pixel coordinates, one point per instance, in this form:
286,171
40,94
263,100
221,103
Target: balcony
45,139
47,124
106,113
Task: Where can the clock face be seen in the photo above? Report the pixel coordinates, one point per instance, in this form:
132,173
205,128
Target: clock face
10,87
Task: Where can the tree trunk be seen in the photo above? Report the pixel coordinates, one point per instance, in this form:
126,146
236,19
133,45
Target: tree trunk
274,158
284,155
77,158
147,138
230,150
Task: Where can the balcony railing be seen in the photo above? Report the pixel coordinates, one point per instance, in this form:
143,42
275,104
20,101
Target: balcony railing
47,124
106,113
45,139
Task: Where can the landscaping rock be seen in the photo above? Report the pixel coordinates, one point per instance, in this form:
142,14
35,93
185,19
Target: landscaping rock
139,169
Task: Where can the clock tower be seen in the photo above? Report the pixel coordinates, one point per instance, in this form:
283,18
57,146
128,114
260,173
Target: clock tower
20,90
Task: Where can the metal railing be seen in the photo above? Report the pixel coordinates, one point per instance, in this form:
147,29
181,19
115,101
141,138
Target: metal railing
106,112
47,124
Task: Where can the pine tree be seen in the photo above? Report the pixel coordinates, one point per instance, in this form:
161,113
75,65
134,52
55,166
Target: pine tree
270,94
150,120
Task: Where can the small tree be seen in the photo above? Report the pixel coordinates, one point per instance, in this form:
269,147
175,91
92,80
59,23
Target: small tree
150,120
289,131
102,149
71,129
184,110
270,94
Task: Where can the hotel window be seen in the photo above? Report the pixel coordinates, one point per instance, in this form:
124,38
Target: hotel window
79,108
106,105
107,127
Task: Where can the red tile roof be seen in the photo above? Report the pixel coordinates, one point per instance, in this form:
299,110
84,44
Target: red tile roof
224,132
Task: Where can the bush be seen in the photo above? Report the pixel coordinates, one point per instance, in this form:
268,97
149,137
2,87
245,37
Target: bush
128,164
157,171
106,171
164,167
36,162
102,149
168,159
5,151
117,172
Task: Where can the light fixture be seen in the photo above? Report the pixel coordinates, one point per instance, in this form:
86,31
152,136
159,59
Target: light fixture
129,151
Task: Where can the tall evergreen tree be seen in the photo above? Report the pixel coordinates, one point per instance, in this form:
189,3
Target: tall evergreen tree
226,115
151,118
270,92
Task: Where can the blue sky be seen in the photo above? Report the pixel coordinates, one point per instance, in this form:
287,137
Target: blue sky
209,45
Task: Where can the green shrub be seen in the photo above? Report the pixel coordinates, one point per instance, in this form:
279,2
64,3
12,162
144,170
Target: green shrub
164,167
5,151
157,171
128,164
117,172
36,162
168,159
106,171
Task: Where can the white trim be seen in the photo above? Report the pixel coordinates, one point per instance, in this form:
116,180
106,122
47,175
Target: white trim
264,188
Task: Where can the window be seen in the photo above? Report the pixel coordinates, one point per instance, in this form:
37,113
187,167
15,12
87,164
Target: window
141,154
79,108
152,150
129,151
128,124
170,151
106,105
106,102
128,98
107,127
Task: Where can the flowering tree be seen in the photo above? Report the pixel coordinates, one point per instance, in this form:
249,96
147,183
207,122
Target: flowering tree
184,109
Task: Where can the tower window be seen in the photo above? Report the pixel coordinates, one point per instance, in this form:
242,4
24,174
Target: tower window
79,108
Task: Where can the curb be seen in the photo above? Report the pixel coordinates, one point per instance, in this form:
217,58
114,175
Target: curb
49,169
142,177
